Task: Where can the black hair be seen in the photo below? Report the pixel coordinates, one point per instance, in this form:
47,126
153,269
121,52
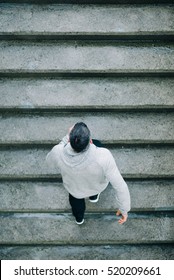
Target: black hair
79,137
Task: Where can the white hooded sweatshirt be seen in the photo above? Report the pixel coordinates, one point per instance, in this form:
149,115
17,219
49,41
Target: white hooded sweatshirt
89,172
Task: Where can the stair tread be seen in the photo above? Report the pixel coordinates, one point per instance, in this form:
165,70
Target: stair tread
85,19
74,57
87,93
119,127
50,229
50,197
132,163
90,1
100,252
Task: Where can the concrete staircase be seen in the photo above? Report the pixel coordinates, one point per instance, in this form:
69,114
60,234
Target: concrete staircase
111,66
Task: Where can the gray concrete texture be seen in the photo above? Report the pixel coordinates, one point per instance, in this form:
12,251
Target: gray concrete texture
107,57
107,252
90,1
116,93
52,197
97,229
117,127
86,19
132,163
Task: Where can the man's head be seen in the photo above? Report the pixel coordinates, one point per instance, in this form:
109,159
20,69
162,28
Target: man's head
79,137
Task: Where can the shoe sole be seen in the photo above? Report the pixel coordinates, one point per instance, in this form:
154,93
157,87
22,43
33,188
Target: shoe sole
80,223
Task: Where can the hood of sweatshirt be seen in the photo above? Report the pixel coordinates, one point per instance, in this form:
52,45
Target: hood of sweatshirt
73,159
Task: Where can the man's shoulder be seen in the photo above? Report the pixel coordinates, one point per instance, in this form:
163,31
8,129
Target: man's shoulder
56,149
103,153
102,150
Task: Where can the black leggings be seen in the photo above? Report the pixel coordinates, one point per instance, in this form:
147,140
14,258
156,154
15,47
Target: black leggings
78,207
78,204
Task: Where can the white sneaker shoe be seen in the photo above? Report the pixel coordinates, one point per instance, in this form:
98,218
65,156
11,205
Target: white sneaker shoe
94,198
80,223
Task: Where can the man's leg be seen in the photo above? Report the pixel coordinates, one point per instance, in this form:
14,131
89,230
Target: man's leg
78,207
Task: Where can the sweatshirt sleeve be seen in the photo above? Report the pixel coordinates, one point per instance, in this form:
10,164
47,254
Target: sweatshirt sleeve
114,177
51,158
64,140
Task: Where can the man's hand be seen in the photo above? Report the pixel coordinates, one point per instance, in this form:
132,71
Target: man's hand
123,218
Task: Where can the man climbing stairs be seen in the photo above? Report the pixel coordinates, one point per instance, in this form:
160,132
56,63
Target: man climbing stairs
111,65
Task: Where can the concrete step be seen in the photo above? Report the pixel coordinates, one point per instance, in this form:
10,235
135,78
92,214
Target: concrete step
29,163
52,197
61,229
86,21
107,252
87,94
68,58
90,1
120,128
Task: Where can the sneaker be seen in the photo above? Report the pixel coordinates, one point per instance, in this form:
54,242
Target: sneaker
80,222
94,198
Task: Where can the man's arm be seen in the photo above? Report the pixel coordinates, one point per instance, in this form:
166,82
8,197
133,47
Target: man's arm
64,140
52,155
122,192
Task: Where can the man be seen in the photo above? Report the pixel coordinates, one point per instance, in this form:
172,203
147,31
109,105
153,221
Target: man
87,170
